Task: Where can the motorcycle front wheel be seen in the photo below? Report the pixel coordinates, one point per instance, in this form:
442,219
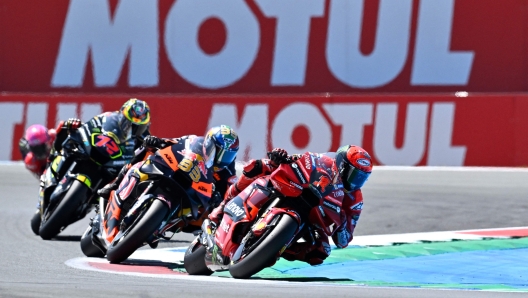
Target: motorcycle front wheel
260,257
88,248
61,216
35,222
194,260
139,231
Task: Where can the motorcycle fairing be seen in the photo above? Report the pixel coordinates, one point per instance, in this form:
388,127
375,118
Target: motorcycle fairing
164,166
291,179
48,180
327,216
141,203
62,187
84,179
244,210
56,165
156,166
185,159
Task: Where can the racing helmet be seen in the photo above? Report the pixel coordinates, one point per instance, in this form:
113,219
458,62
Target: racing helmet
354,166
138,113
39,140
222,143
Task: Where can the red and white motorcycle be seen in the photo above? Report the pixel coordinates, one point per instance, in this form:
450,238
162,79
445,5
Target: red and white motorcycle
272,213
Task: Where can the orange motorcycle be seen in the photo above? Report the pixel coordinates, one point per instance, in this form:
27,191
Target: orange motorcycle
158,197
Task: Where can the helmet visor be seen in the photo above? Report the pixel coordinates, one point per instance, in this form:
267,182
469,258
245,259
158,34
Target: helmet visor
353,178
40,151
225,157
125,127
209,153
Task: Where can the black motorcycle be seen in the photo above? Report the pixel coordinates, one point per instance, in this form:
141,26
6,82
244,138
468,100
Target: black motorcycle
88,160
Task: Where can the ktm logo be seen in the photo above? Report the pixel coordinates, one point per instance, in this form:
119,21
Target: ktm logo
322,183
168,158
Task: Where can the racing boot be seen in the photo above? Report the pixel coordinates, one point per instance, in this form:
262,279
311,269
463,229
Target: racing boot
217,214
107,189
313,254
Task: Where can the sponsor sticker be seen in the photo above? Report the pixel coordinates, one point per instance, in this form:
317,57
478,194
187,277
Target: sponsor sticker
363,162
296,185
332,206
358,206
235,209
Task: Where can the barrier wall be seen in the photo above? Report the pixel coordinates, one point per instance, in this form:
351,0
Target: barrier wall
409,129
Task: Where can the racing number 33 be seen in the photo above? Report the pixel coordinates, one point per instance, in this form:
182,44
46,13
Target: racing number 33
188,166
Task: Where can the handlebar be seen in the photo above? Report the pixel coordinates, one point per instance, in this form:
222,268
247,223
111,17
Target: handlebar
288,160
72,147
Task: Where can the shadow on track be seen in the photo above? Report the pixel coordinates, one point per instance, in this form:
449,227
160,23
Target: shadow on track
67,238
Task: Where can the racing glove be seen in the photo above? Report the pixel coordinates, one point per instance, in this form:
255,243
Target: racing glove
105,191
72,124
153,142
278,156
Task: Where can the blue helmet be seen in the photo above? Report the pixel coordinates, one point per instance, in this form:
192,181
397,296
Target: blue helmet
225,141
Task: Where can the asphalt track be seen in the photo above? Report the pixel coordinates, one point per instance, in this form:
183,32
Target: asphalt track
397,200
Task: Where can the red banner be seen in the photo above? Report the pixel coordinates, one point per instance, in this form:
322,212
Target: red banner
432,130
263,46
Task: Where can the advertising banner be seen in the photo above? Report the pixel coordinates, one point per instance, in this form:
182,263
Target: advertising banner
433,130
263,46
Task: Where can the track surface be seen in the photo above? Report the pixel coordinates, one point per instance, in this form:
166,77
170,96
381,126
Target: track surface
396,201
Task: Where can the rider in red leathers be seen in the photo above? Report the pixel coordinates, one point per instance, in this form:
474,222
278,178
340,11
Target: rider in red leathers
346,170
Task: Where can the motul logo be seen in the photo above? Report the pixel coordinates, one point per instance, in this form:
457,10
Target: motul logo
428,129
132,34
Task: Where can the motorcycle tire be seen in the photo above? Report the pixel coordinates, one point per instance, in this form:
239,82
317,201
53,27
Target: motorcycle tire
88,248
137,233
35,222
65,211
267,250
194,262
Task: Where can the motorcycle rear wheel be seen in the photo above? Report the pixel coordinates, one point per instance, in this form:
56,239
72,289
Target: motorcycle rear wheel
194,261
137,233
267,250
65,211
35,222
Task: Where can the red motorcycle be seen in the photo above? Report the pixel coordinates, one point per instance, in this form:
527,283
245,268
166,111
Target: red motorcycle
271,214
